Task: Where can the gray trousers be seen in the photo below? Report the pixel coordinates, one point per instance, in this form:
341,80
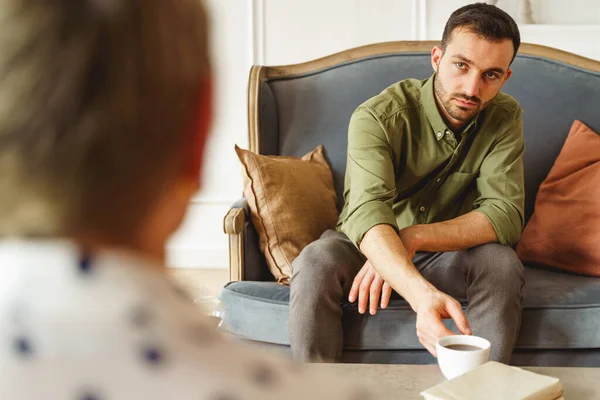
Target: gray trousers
490,277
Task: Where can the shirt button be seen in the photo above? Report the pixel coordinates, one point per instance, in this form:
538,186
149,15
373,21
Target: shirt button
422,209
438,180
439,134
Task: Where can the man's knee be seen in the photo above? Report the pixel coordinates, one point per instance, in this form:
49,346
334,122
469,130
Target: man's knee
499,264
328,257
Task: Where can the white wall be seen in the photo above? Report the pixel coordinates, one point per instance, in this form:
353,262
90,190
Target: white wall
297,31
247,32
200,242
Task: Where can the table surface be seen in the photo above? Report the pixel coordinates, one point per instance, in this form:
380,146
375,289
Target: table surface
407,381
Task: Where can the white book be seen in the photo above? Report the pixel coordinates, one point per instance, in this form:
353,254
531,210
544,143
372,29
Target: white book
496,381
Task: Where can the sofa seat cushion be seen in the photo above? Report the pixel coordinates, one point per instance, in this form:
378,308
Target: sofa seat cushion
560,311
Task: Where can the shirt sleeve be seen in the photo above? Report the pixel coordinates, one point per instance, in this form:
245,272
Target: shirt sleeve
501,186
370,179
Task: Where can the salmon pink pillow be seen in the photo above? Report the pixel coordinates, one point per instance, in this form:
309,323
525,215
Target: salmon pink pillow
564,230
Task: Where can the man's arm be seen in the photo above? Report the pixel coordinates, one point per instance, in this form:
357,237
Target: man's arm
370,186
393,264
460,233
501,184
370,223
464,232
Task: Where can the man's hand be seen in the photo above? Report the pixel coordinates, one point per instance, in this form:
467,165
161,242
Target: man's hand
393,254
368,284
431,308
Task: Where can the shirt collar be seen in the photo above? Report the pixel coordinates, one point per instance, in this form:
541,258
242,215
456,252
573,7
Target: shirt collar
433,114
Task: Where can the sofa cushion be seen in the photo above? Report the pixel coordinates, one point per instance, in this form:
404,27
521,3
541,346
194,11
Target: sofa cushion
292,202
561,310
563,230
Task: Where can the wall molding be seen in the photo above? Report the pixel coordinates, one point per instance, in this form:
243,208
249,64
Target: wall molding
414,31
257,32
419,19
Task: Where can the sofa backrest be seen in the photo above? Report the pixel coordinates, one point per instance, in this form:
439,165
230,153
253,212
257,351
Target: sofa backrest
297,109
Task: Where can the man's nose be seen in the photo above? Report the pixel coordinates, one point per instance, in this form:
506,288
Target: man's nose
472,85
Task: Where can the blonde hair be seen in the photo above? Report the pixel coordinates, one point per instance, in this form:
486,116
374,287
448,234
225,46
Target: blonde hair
97,101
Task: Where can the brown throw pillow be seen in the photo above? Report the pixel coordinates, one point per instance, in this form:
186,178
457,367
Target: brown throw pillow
292,202
564,230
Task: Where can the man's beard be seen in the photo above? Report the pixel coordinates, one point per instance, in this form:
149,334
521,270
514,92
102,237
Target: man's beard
452,108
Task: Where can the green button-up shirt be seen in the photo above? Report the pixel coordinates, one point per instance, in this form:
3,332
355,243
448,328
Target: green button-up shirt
406,167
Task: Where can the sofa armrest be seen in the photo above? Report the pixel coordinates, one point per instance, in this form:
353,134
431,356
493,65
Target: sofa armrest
246,261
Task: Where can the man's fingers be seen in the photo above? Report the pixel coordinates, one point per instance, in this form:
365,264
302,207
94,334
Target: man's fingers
356,283
363,291
426,342
455,311
426,335
375,292
440,330
436,327
430,324
426,338
430,349
386,293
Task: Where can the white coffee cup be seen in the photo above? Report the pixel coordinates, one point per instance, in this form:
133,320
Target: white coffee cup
455,361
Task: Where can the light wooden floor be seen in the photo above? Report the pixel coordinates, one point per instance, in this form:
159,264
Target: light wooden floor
201,282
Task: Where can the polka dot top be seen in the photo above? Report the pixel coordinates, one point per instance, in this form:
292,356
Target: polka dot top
112,326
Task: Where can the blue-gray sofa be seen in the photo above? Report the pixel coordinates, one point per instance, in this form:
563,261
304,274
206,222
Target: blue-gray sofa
292,109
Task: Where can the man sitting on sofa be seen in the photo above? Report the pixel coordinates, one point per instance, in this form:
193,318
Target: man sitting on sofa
434,201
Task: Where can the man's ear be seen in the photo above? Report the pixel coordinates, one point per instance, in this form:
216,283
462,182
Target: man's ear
436,57
507,75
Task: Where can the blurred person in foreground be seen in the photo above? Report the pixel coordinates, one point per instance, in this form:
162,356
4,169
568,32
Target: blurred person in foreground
105,107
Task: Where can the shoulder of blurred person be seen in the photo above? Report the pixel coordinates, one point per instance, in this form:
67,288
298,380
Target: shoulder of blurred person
109,325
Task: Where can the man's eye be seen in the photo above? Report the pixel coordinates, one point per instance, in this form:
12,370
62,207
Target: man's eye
460,65
491,75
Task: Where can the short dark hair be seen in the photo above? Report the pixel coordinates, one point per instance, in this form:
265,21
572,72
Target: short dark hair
485,20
